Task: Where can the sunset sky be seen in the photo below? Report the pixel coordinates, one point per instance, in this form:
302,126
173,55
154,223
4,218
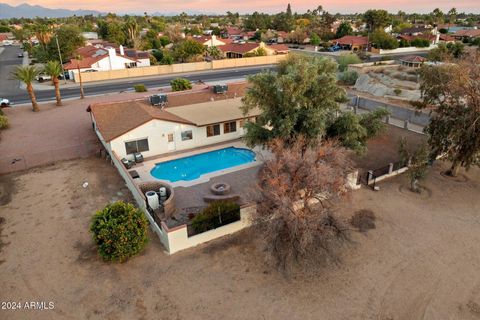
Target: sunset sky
245,6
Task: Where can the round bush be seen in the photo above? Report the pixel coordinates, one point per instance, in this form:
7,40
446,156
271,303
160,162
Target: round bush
3,122
180,84
140,88
120,231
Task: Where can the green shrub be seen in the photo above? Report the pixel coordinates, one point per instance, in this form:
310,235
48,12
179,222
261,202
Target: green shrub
217,214
3,122
349,77
140,88
1,112
345,59
420,43
119,231
397,91
180,84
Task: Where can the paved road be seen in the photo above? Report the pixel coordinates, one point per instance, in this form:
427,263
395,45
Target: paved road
124,85
19,96
8,61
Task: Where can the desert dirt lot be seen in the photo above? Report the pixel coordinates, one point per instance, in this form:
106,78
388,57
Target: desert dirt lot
422,260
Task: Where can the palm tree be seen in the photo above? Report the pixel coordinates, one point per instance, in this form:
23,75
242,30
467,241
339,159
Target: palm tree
54,70
27,75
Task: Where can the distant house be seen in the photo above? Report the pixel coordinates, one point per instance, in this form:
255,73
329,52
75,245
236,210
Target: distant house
434,39
240,50
417,31
354,43
211,41
90,35
93,58
413,61
467,34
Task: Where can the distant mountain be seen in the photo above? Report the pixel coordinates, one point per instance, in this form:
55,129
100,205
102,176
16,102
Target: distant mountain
27,11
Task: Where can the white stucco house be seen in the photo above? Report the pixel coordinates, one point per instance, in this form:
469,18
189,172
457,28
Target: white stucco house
97,58
137,126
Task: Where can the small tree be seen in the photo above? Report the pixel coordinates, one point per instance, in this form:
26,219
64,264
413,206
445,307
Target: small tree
180,84
451,93
417,162
349,77
27,75
119,231
314,39
297,193
54,70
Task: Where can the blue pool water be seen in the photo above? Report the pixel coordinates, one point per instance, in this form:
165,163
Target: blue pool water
192,167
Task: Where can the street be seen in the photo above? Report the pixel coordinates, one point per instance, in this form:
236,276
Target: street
8,61
10,88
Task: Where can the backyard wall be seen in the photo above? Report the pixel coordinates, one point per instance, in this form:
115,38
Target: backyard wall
402,50
178,238
178,68
370,66
412,116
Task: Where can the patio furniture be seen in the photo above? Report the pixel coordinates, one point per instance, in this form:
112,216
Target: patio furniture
138,157
127,163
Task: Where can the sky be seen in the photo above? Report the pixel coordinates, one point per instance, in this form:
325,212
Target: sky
246,6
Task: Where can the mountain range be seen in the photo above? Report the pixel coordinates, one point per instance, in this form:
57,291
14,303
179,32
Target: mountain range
28,11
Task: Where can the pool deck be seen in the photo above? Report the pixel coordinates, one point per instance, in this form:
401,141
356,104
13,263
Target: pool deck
144,168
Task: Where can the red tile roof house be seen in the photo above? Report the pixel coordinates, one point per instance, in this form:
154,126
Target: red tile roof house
354,43
434,39
466,34
106,59
240,50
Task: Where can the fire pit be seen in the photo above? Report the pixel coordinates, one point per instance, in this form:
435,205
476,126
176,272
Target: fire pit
220,188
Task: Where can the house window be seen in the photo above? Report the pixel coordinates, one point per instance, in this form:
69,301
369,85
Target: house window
246,120
170,137
213,130
136,146
187,135
130,65
230,127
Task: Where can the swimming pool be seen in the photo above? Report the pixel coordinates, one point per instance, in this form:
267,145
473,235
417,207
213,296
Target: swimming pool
192,167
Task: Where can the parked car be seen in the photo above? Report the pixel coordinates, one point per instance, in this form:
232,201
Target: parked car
334,48
42,77
20,55
4,102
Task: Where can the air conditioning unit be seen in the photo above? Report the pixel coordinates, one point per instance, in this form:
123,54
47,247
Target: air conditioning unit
220,88
158,99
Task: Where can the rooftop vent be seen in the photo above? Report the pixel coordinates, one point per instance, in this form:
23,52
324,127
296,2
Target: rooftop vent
158,99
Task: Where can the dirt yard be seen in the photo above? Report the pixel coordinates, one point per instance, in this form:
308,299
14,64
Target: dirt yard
421,261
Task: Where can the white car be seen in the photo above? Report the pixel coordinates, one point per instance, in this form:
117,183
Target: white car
42,77
4,102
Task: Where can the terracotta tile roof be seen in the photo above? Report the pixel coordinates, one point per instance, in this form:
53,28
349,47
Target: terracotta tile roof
446,37
414,30
278,47
233,31
413,59
352,40
239,47
474,33
407,37
117,118
87,62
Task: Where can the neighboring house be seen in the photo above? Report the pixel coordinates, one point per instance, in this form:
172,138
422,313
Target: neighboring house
417,31
106,59
434,39
413,61
137,126
354,43
467,34
90,35
240,50
211,41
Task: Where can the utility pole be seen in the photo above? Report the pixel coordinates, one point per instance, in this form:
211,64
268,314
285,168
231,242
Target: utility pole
82,95
61,62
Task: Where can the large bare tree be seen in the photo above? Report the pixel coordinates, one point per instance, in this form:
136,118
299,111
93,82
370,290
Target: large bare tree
298,190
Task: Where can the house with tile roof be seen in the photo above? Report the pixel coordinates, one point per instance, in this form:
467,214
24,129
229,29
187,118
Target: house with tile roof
240,50
106,58
354,43
138,126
